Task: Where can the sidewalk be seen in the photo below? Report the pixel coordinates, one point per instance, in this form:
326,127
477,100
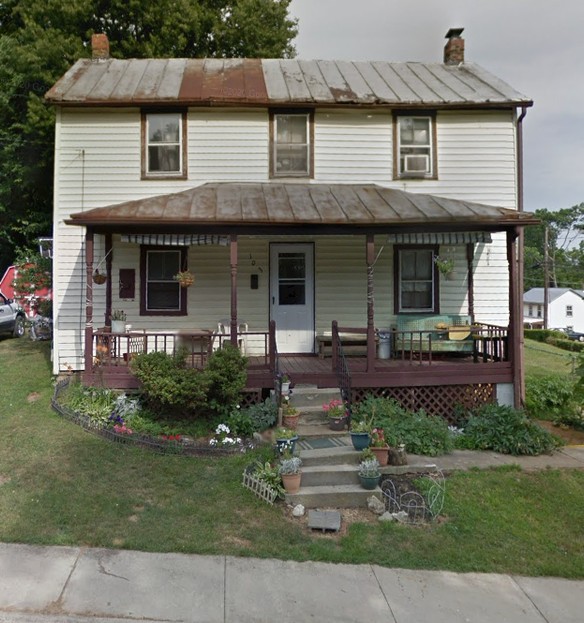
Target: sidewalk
73,585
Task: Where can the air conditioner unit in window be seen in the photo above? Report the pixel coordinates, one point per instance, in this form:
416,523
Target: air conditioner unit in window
419,164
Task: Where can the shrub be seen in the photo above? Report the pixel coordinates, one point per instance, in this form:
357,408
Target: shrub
549,395
169,388
419,432
542,335
95,402
241,423
263,415
225,377
506,430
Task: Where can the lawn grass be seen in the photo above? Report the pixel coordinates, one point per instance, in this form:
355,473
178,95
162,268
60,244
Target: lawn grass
63,486
543,359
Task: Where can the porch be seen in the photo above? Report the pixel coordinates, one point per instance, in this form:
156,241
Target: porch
417,374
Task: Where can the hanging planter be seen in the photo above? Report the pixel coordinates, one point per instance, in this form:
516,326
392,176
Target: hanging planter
99,278
185,278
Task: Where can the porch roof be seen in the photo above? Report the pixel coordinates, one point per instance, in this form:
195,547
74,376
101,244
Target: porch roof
335,207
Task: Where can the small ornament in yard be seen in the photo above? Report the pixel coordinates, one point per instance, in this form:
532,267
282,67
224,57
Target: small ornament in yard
185,278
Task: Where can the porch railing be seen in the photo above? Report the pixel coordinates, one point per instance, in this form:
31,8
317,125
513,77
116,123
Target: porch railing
485,343
118,349
340,364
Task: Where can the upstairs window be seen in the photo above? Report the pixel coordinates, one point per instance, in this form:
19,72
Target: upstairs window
164,145
569,311
415,146
291,145
415,280
160,293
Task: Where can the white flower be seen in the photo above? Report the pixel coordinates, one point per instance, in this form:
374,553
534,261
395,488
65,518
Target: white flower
222,428
213,442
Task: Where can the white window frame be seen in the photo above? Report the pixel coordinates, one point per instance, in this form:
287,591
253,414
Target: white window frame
307,145
401,172
180,172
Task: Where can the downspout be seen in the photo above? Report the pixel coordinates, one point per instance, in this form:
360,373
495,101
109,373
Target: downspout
519,354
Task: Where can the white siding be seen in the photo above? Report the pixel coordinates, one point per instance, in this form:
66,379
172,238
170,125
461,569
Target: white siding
97,163
352,147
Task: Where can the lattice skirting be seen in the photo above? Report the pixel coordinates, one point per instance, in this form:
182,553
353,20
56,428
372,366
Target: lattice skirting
435,400
250,396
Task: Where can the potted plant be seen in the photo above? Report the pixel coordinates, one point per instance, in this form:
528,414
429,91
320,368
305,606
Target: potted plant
379,446
286,439
185,278
285,384
290,472
118,319
99,278
360,434
369,473
290,414
336,413
445,265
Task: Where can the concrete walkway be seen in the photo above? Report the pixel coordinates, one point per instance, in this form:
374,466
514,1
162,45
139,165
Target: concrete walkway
73,585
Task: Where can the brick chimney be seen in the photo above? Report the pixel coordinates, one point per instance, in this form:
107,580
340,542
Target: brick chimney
454,48
99,46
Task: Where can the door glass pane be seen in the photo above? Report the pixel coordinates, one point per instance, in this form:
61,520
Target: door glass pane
291,279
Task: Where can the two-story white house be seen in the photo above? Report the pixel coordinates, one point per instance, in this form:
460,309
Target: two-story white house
565,308
313,201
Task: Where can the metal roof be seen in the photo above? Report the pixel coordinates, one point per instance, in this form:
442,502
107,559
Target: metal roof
260,206
283,82
535,295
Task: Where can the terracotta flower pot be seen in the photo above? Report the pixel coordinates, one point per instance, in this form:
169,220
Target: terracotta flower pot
381,454
291,482
290,421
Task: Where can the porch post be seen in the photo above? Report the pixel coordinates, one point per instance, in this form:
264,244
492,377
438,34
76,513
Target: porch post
88,304
370,259
233,261
108,283
470,266
515,326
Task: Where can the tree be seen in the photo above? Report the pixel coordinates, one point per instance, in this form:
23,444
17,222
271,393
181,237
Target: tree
565,249
41,39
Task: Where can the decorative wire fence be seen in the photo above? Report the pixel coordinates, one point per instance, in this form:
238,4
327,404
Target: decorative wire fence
415,507
182,447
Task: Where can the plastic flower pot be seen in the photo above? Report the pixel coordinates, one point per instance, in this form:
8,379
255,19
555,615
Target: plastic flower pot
360,440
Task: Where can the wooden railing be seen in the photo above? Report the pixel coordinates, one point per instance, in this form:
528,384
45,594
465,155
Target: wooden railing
118,349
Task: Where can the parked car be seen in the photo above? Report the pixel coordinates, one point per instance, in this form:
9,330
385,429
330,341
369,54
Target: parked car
12,317
575,335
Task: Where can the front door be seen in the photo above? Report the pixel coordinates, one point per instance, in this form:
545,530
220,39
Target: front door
292,296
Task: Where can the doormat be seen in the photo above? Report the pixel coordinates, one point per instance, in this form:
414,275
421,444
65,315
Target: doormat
321,443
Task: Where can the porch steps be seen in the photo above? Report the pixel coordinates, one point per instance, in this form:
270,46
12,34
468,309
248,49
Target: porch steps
308,399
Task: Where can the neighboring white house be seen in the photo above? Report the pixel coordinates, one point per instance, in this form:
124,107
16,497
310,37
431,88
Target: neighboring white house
565,308
316,174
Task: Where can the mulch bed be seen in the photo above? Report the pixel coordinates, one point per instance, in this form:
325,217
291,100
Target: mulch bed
570,436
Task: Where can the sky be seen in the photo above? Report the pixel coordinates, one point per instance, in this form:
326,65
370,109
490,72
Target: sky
536,46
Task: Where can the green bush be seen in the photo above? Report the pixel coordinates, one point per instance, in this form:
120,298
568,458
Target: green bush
169,388
240,423
225,376
420,432
547,396
565,344
96,402
263,415
506,430
542,335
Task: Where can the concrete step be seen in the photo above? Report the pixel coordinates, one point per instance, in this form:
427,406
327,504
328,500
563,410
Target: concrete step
312,396
328,475
316,429
336,496
330,456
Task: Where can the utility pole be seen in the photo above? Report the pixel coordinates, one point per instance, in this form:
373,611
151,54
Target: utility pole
546,278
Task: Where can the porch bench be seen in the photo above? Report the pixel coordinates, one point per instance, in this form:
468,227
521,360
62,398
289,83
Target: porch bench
353,343
416,332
